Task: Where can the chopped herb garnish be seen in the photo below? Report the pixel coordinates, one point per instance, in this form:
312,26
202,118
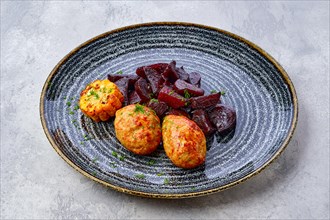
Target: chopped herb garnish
76,107
92,92
64,97
72,98
81,142
121,157
95,159
120,72
139,108
166,181
193,188
223,93
160,174
140,176
171,92
186,94
68,104
94,173
71,112
114,154
113,164
213,91
74,121
154,100
151,162
87,138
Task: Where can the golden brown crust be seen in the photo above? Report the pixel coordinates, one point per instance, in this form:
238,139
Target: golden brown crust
184,142
100,100
138,129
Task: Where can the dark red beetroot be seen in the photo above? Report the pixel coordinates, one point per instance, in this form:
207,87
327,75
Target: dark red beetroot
131,79
122,85
133,98
195,79
170,74
171,98
156,81
179,112
204,101
223,117
115,77
159,67
180,86
183,74
202,120
159,107
143,89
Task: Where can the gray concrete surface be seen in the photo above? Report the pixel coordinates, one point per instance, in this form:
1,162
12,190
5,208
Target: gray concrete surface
37,184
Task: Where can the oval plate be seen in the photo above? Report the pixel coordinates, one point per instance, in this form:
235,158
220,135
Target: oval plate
254,84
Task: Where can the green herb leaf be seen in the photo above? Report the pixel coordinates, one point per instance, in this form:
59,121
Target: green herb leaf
71,112
76,107
186,94
95,159
223,93
166,181
151,162
121,157
68,104
171,92
154,100
120,72
213,91
113,164
140,176
138,108
114,154
87,138
160,174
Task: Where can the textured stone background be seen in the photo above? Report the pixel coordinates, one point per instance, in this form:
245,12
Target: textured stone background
37,184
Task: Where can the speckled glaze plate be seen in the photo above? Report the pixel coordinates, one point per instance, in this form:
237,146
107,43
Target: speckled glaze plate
255,84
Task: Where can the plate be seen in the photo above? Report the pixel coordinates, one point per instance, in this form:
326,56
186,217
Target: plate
254,84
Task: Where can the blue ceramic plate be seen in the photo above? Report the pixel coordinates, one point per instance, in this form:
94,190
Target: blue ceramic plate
255,85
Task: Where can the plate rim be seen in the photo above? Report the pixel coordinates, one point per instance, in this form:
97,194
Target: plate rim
279,68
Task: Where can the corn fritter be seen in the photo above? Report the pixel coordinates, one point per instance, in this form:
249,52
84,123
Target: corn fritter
100,100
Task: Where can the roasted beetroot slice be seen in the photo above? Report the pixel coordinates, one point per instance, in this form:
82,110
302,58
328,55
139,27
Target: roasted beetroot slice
159,67
178,112
170,73
115,77
183,74
202,120
122,85
143,89
140,72
171,98
183,87
159,107
224,118
133,97
204,101
195,79
154,79
132,79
